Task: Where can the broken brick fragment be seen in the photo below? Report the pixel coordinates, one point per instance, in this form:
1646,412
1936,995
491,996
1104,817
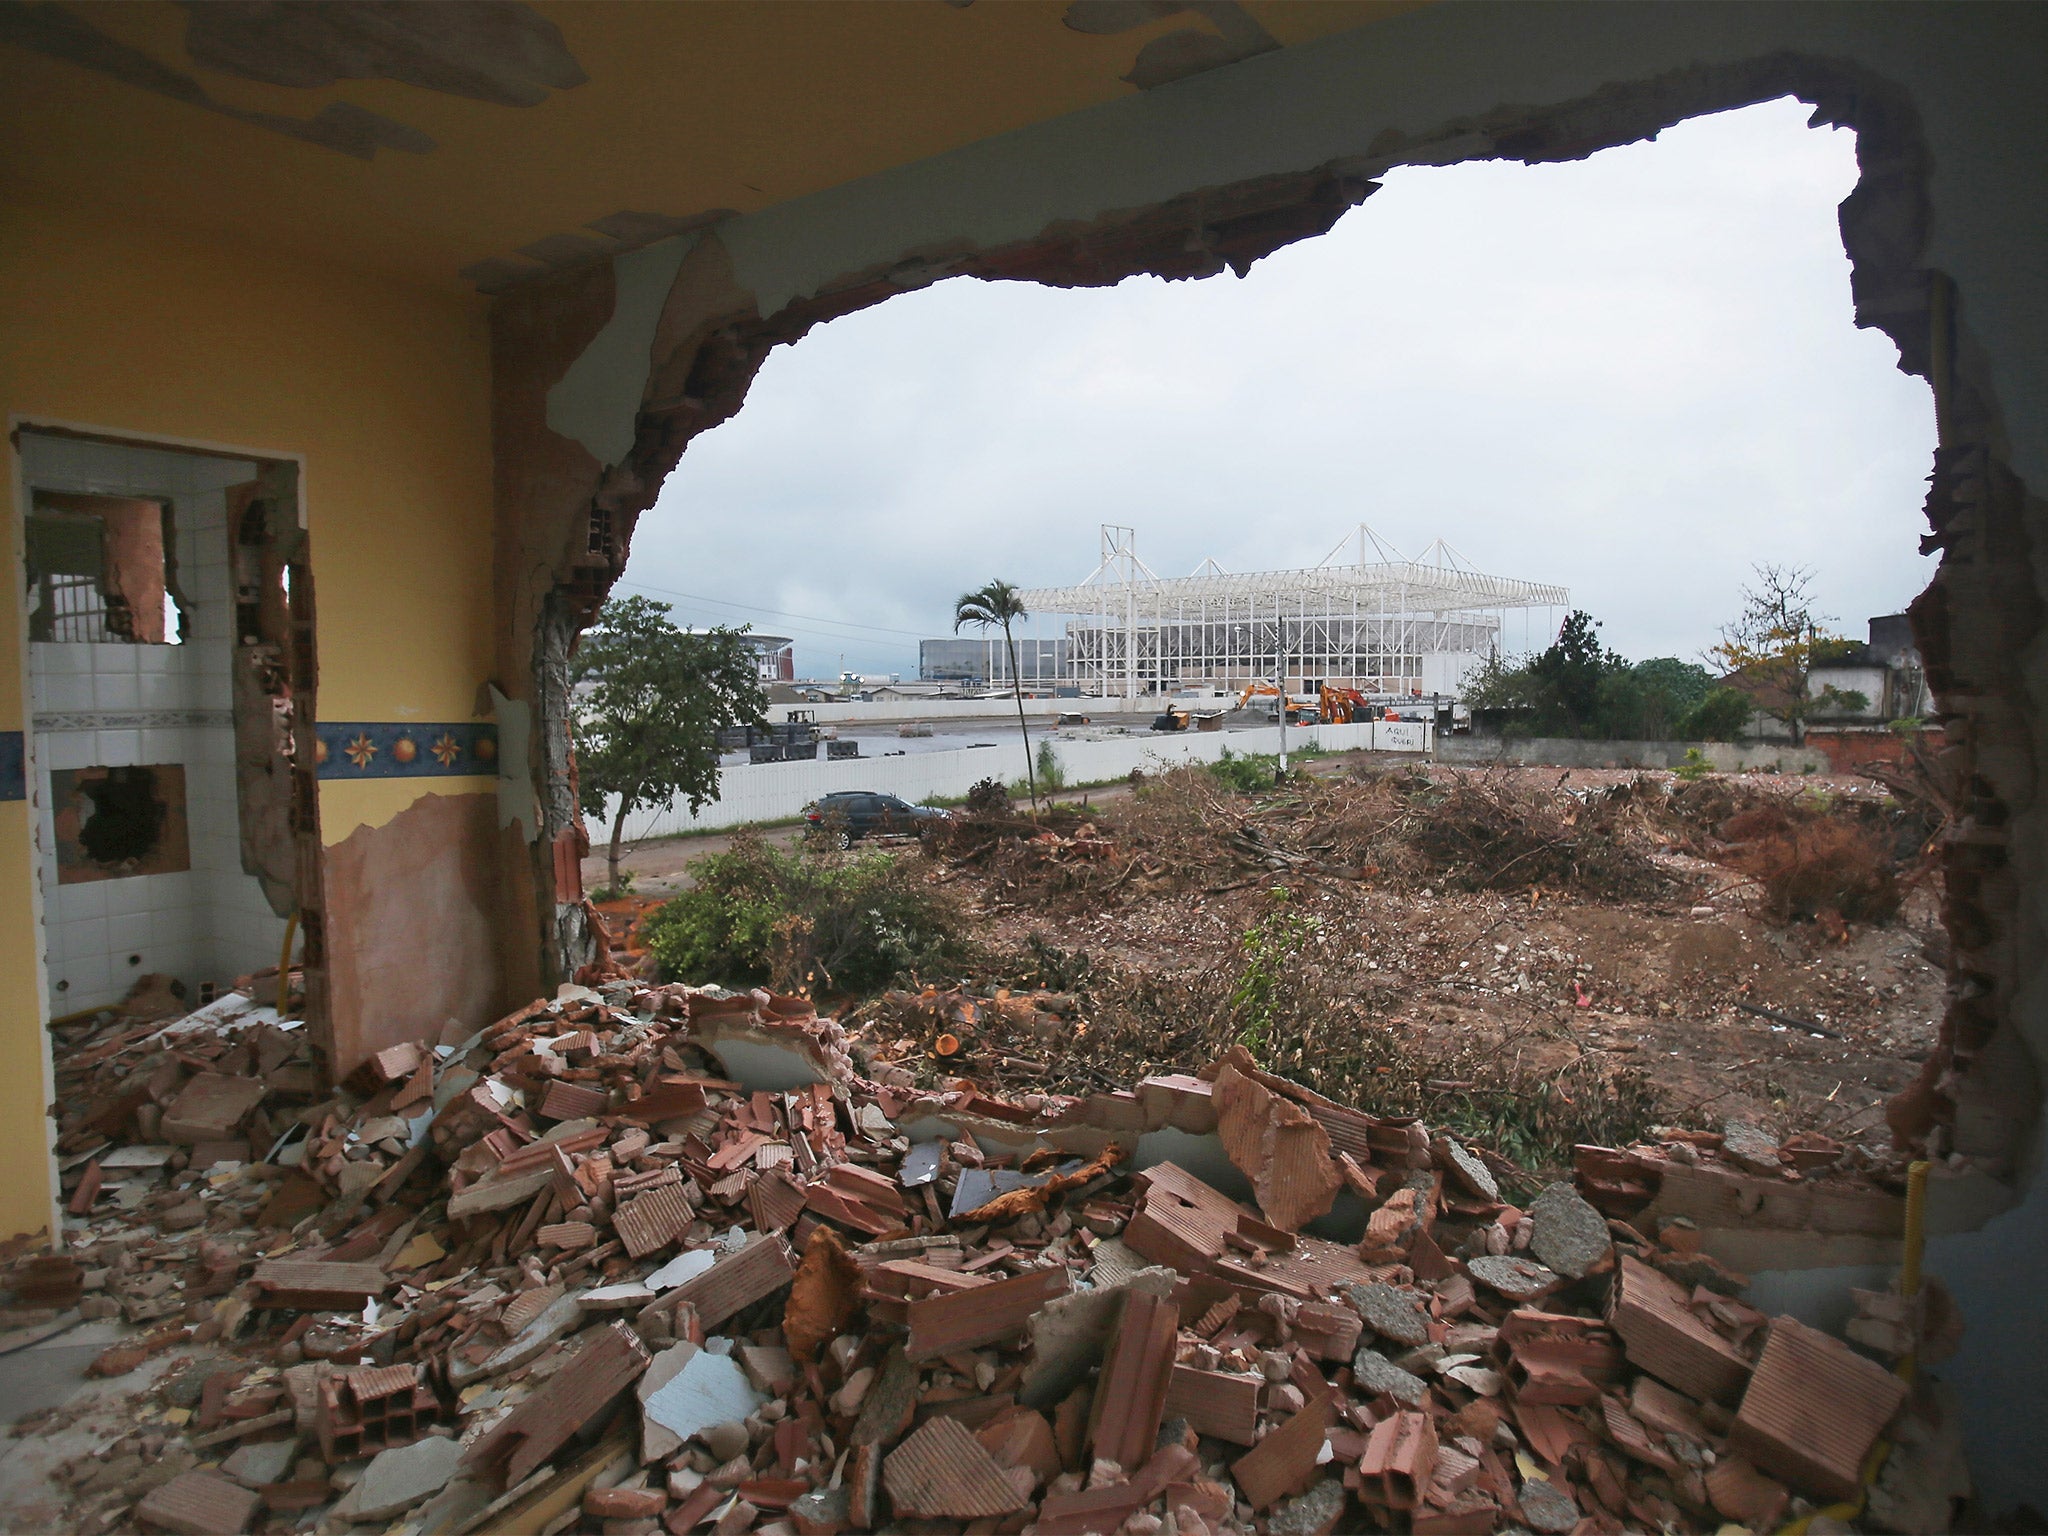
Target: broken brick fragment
1813,1409
1285,1461
1278,1146
1130,1395
1662,1335
605,1365
199,1504
1400,1460
943,1473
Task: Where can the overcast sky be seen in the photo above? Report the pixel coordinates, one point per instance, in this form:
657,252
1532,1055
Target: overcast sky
1633,376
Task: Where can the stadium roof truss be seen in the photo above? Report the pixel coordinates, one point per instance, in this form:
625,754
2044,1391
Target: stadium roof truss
1366,619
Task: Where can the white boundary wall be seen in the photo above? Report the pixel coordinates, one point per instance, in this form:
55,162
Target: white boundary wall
883,711
777,791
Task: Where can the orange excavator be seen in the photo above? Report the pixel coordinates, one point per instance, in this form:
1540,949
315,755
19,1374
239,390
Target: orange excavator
1345,706
1297,714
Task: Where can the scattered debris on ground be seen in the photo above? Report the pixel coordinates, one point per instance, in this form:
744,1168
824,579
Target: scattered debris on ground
646,1258
1760,946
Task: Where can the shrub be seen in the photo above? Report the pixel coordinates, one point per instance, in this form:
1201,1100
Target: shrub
1270,948
1051,775
1245,775
1695,765
615,892
1254,771
798,923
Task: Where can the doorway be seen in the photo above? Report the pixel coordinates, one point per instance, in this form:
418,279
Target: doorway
169,669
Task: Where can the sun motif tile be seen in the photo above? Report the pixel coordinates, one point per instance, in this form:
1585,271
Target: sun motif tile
391,750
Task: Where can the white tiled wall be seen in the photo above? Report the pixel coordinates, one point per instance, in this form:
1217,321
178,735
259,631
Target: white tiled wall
212,922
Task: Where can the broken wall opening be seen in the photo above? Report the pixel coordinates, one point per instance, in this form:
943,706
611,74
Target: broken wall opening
1972,625
103,569
163,752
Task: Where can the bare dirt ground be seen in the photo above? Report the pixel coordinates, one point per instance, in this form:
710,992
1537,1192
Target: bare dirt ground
1661,984
1548,977
1544,978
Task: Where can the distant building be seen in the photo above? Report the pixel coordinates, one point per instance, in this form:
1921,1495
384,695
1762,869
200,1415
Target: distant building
774,656
1885,670
984,663
1860,685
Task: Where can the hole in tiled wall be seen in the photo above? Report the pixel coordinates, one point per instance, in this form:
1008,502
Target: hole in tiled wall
116,822
127,818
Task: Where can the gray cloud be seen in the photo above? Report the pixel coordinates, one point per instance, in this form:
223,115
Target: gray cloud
1635,376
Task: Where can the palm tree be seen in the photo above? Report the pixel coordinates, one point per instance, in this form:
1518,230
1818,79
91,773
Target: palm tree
998,604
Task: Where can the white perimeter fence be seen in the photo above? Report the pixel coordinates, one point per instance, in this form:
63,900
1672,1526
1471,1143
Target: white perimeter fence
777,791
883,711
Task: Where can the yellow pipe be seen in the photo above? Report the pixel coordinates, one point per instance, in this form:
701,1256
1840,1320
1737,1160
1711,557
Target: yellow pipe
1909,1287
77,1016
284,964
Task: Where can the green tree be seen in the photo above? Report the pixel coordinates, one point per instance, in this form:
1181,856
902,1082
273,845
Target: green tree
1577,687
997,605
1770,648
1568,675
1721,715
1682,683
1646,701
650,702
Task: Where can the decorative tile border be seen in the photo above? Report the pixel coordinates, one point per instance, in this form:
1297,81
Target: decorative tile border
414,751
13,770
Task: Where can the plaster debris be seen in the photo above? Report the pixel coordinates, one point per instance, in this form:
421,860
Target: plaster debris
709,1389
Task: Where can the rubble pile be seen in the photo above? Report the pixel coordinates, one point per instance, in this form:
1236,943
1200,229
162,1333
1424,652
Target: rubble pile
644,1259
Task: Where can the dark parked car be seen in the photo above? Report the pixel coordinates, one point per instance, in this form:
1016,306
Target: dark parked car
852,813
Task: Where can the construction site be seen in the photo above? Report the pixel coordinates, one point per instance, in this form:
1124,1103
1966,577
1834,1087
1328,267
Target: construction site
1361,1142
1365,618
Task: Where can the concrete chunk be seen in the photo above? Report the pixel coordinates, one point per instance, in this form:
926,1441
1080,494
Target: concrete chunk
396,1480
1392,1313
1375,1373
1516,1278
1567,1234
254,1465
1464,1166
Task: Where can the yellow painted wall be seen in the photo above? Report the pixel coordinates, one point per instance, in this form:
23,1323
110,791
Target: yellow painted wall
383,392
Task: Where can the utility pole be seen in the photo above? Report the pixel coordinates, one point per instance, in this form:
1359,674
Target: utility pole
1280,647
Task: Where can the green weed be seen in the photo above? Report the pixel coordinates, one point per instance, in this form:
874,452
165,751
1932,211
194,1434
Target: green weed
801,921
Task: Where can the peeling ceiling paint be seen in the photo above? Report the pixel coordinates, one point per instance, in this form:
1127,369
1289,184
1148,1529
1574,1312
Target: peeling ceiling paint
597,401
